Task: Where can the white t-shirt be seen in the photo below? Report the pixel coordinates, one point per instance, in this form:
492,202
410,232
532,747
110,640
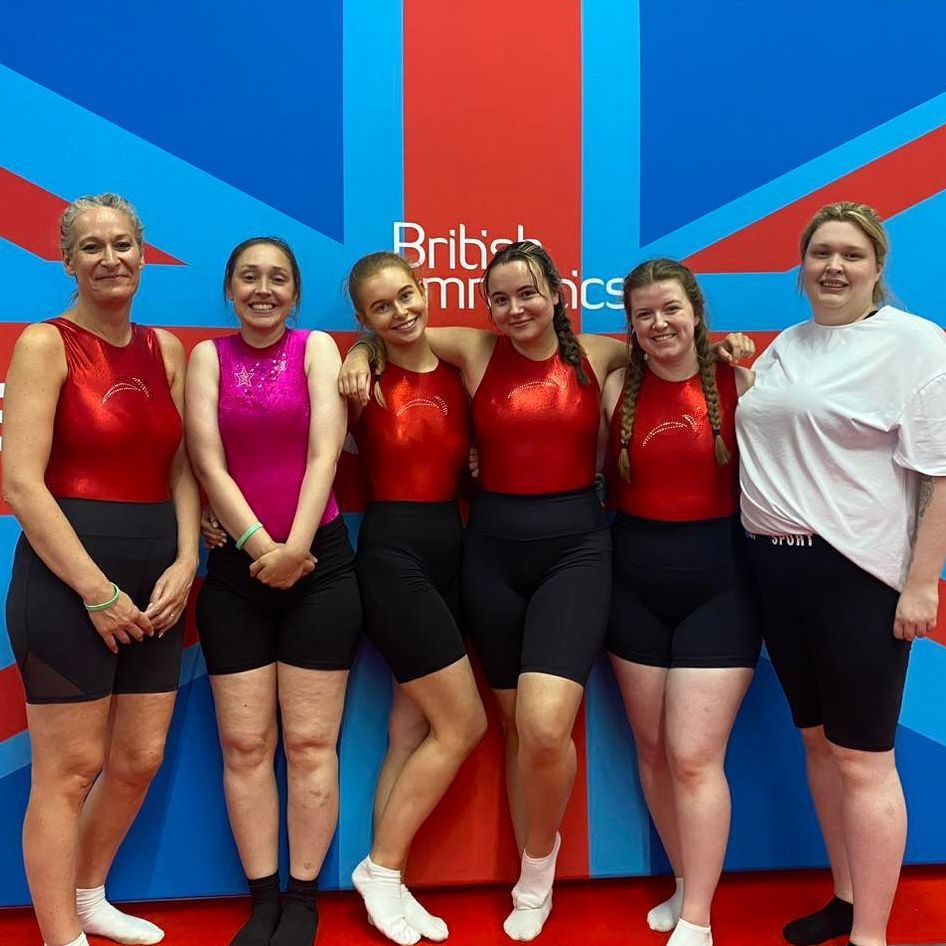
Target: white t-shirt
836,431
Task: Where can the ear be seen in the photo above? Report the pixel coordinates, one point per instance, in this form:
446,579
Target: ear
67,264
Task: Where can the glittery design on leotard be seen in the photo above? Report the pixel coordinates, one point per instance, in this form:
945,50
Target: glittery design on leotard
674,473
416,449
109,442
536,425
263,414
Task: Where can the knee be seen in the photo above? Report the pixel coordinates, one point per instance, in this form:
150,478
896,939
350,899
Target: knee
406,733
135,766
651,752
693,764
246,752
817,748
859,769
466,732
70,778
309,751
543,742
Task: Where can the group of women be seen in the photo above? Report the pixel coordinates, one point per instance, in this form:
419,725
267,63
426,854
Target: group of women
837,448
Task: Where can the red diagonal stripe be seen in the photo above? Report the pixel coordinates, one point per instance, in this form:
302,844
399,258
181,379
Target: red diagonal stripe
12,703
890,184
29,217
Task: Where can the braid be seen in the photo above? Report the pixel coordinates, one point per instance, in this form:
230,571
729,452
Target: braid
710,393
568,346
633,379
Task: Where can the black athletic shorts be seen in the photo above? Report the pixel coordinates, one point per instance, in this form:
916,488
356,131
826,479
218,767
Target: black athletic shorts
683,594
536,584
828,628
408,564
315,624
61,657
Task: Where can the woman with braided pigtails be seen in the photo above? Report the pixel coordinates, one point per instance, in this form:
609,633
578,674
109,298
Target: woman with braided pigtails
683,636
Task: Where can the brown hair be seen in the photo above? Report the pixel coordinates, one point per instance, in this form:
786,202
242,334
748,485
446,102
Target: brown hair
658,270
540,264
280,245
363,270
866,219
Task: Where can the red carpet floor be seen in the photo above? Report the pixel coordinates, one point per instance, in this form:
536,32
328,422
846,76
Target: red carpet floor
750,909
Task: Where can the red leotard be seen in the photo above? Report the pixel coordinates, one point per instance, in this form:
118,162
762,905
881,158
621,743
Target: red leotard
536,425
674,473
116,428
417,448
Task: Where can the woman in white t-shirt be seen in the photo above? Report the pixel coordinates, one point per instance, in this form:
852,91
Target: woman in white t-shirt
843,448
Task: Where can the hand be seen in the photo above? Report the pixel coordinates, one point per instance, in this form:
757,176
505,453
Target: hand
121,623
474,462
734,347
354,380
169,597
916,612
282,568
213,534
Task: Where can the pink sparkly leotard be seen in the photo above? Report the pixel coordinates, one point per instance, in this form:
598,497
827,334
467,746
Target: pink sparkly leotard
263,414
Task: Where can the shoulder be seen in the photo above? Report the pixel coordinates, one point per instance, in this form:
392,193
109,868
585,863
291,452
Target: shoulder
171,347
611,391
913,327
40,339
321,345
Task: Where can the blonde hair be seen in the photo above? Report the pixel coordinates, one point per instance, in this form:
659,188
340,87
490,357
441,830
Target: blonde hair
867,220
67,222
659,270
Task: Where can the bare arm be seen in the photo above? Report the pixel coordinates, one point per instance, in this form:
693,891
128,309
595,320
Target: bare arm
36,375
206,450
606,354
169,595
919,600
745,378
327,428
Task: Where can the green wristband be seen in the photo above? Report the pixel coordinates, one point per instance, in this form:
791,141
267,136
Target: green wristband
105,605
253,529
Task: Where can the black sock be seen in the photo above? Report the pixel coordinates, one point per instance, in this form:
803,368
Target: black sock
300,914
264,913
834,919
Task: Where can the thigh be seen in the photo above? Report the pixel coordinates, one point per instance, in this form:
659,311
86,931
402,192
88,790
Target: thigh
310,705
406,616
153,665
447,697
139,725
567,617
494,607
321,626
643,689
547,705
861,666
245,704
237,617
66,739
786,627
60,655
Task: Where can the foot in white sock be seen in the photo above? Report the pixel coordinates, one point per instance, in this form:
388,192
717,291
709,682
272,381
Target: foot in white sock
380,888
80,940
663,918
429,926
689,934
532,896
98,917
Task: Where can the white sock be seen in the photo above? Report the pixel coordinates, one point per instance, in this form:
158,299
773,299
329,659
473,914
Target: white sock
428,925
663,918
532,896
98,917
689,934
80,940
380,888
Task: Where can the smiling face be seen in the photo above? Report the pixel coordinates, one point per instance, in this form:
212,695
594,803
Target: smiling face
392,304
105,257
520,301
262,288
839,272
662,318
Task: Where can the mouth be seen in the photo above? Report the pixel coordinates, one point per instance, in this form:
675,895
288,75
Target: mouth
665,337
518,323
832,285
405,326
262,307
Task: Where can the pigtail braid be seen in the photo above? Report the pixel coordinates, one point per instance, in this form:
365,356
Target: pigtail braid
707,363
633,379
568,346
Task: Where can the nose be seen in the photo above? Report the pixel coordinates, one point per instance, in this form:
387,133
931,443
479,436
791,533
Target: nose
659,318
834,261
401,309
109,255
515,306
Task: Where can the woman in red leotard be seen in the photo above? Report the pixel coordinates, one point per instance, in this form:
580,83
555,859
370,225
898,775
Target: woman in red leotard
95,472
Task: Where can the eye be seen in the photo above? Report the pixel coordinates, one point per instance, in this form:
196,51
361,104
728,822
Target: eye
499,300
123,246
853,256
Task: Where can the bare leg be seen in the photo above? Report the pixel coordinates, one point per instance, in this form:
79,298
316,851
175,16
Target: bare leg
68,748
875,830
246,718
138,728
311,702
643,691
407,729
701,709
451,704
506,701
